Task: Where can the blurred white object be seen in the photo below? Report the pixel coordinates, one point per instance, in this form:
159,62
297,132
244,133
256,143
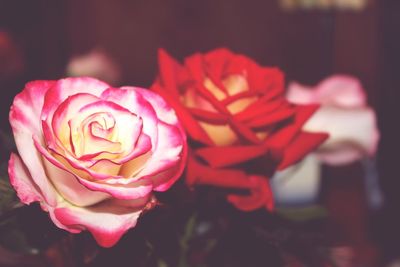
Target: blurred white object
298,184
352,134
98,64
344,114
351,124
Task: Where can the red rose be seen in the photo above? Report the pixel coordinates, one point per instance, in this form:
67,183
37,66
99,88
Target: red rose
237,110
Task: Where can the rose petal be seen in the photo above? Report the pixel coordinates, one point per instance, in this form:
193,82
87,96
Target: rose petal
238,96
352,133
303,144
209,117
57,128
27,190
132,163
194,66
200,174
128,125
219,157
271,119
216,88
92,147
131,168
25,122
64,88
169,69
169,152
263,110
244,131
169,79
282,137
189,123
115,221
221,135
336,90
236,64
341,91
267,80
260,196
300,94
217,60
131,99
20,179
164,112
71,164
133,190
70,188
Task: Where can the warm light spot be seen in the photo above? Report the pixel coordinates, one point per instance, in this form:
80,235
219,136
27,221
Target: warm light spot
221,135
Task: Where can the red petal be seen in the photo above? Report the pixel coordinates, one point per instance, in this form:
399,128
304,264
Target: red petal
267,80
283,137
239,64
230,99
207,116
189,123
195,66
244,132
225,156
198,173
269,119
169,69
262,110
260,195
304,143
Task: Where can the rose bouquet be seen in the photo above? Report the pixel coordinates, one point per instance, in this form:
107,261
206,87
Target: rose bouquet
98,158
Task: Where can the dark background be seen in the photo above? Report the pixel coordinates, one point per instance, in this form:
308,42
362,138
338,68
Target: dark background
308,45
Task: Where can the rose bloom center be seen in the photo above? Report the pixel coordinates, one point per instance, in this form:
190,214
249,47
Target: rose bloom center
222,135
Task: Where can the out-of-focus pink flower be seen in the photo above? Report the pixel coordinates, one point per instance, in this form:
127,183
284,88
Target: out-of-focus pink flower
344,114
92,155
97,64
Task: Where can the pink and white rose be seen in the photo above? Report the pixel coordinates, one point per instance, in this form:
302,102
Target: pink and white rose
92,155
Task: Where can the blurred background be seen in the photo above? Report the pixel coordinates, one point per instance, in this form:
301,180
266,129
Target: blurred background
308,40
